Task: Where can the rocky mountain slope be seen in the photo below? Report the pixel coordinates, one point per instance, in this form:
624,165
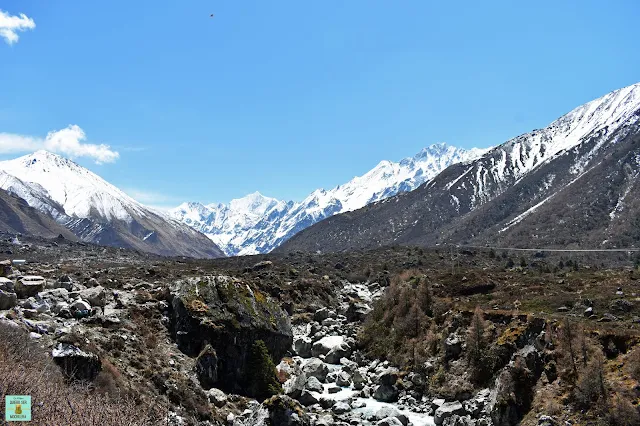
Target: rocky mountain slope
571,184
95,210
17,217
258,224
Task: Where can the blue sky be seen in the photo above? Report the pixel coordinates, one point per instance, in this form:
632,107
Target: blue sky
287,96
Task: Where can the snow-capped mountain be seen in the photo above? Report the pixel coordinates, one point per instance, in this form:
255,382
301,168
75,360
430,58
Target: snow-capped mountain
570,183
258,224
95,210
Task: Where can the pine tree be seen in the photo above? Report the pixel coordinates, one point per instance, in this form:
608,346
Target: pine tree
261,373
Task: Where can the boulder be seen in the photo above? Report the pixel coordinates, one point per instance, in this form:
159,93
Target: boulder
294,386
80,305
286,412
316,368
231,317
96,296
324,345
386,393
391,412
447,410
309,398
341,407
30,285
302,346
343,379
452,347
75,363
7,299
357,311
337,353
7,285
359,380
313,384
388,376
217,397
321,314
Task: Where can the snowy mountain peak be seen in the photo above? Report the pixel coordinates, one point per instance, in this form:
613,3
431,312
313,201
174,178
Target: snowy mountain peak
258,224
79,191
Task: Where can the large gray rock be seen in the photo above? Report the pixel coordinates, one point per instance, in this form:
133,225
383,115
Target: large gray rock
96,296
316,368
359,380
302,346
313,384
343,379
294,386
388,377
29,286
75,363
386,393
7,299
393,412
447,410
309,398
453,346
217,397
341,407
321,314
328,343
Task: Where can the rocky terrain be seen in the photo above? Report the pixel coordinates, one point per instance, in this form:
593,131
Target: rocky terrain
385,337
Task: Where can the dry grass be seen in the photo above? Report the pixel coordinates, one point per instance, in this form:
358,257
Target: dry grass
26,369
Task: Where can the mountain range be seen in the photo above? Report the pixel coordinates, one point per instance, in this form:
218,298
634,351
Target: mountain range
572,184
258,224
75,199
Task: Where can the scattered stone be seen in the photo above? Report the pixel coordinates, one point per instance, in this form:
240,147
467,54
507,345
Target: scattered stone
260,266
317,368
217,397
302,346
341,407
588,312
343,379
453,346
447,410
29,286
386,393
7,299
308,398
321,315
313,384
563,309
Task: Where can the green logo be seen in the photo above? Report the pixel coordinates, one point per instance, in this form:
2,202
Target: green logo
17,408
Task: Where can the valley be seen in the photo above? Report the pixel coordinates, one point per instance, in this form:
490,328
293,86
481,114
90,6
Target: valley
383,337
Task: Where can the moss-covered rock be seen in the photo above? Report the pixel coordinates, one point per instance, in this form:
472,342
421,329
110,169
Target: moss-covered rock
230,316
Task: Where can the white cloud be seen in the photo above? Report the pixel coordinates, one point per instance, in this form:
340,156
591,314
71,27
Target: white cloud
10,25
69,141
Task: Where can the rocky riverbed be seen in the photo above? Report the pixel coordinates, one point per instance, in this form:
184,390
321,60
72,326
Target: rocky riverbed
338,385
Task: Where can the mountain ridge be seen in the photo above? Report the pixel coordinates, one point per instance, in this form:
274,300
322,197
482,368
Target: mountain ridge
499,191
240,229
96,211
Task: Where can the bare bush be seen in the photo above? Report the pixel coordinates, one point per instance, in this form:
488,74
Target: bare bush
26,369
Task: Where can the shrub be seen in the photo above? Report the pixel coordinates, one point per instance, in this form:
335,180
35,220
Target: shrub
261,376
26,369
